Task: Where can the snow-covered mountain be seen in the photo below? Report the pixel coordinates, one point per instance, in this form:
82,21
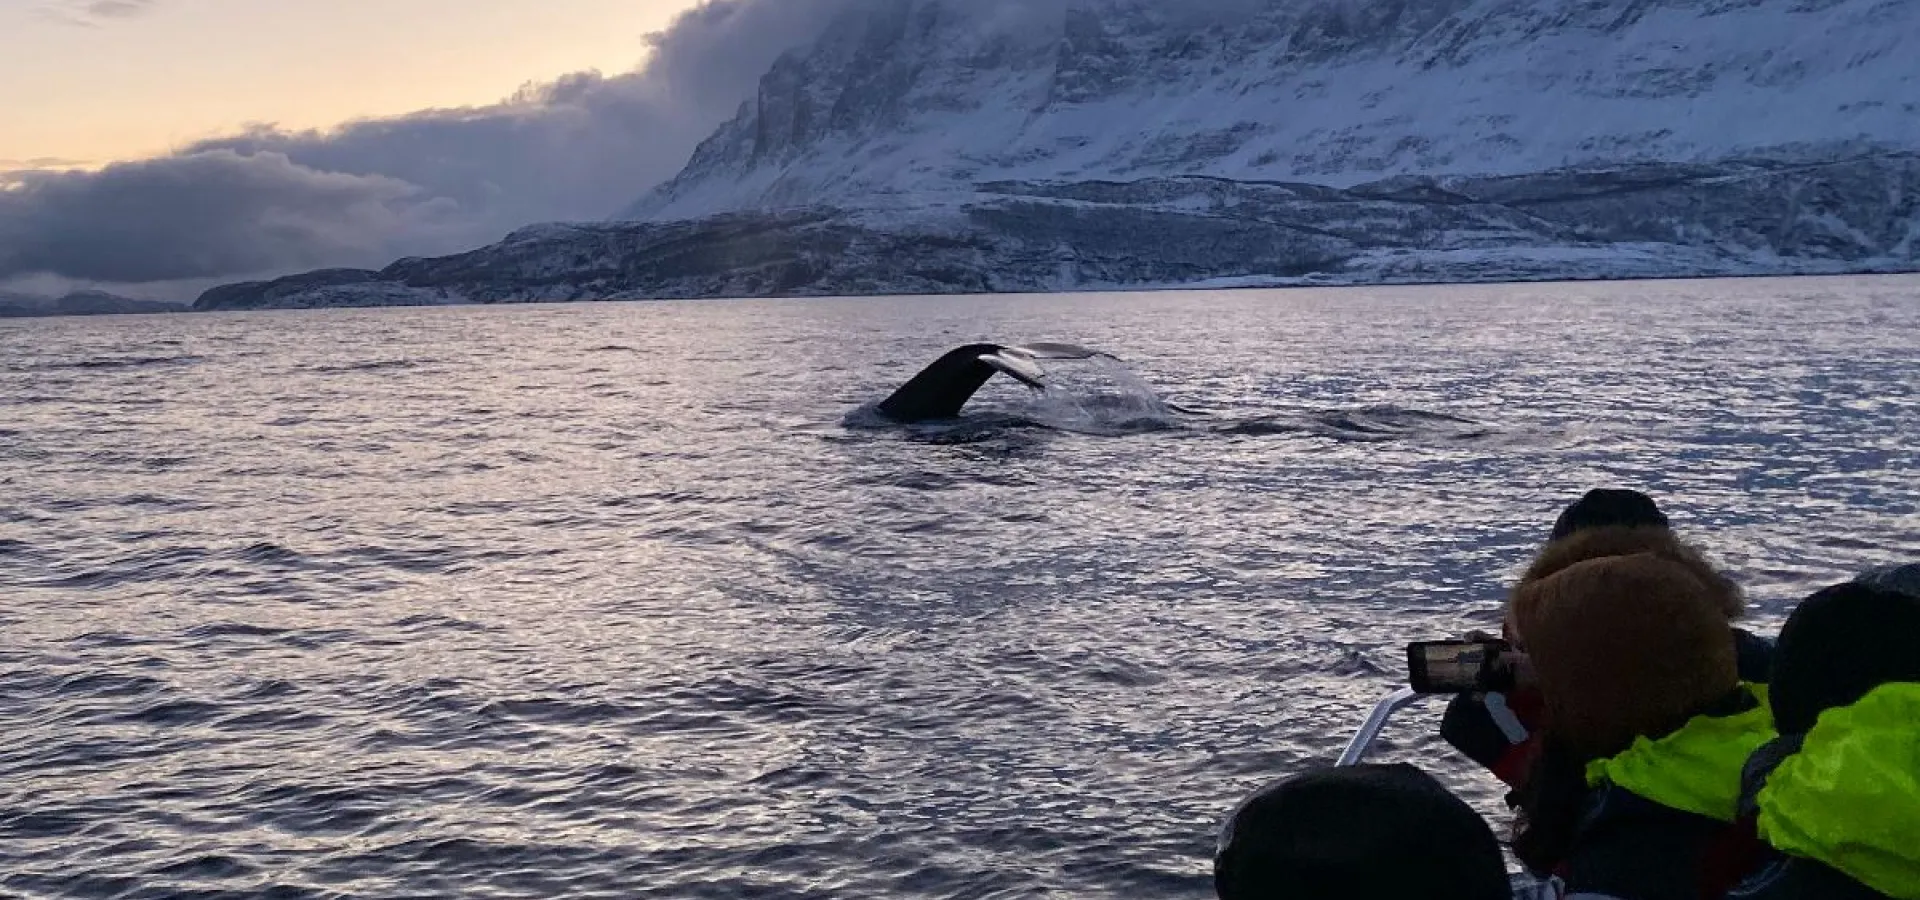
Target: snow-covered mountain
991,145
915,98
1649,220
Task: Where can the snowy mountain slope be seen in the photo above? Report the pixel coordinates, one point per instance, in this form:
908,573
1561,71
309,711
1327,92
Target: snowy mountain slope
907,100
1650,220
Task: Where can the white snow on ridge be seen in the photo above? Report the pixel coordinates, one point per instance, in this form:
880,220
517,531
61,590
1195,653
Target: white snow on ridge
1494,87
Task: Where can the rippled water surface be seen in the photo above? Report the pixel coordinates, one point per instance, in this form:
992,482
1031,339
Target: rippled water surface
611,601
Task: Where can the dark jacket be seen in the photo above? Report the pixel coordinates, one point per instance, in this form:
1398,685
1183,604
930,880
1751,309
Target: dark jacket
1792,878
1499,731
1632,848
1658,823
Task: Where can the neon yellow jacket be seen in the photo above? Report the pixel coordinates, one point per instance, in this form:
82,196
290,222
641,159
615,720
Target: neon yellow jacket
1695,769
1850,799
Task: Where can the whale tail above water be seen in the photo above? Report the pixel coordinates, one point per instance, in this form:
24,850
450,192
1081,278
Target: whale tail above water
1093,392
942,388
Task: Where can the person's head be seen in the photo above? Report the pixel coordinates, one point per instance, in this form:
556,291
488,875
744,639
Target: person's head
1608,508
1387,832
1607,541
1625,647
1904,579
1840,644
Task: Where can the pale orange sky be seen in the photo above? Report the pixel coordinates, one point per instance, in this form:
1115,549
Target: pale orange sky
189,69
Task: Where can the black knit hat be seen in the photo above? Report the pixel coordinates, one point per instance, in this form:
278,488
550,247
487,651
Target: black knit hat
1905,579
1388,832
1609,507
1838,646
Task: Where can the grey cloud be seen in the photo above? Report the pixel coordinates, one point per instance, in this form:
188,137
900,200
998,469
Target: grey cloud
42,162
203,214
90,12
267,201
716,52
117,9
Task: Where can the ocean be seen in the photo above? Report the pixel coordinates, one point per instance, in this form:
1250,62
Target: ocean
630,600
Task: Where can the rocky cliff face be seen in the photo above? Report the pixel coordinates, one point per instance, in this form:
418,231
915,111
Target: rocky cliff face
1002,145
1733,218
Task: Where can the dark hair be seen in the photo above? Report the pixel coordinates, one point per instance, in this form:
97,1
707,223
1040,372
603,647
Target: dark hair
1388,832
1840,644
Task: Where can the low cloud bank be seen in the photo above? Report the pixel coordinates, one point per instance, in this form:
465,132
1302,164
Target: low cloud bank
269,201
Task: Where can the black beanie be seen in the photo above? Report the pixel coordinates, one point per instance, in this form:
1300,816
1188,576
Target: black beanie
1389,832
1905,579
1609,508
1838,646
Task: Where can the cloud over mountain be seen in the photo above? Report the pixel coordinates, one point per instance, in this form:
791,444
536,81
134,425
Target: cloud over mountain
269,200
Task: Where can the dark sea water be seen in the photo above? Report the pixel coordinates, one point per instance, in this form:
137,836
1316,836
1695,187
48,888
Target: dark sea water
616,601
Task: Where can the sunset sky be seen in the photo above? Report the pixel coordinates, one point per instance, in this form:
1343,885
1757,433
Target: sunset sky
162,146
92,81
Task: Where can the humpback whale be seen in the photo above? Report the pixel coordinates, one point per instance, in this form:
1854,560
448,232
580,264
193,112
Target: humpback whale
942,388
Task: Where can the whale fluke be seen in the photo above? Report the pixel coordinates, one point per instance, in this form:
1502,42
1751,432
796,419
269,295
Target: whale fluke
942,388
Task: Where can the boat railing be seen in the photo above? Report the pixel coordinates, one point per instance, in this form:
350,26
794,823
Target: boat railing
1525,887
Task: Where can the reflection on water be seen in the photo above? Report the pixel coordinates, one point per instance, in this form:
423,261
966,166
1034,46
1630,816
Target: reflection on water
606,601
